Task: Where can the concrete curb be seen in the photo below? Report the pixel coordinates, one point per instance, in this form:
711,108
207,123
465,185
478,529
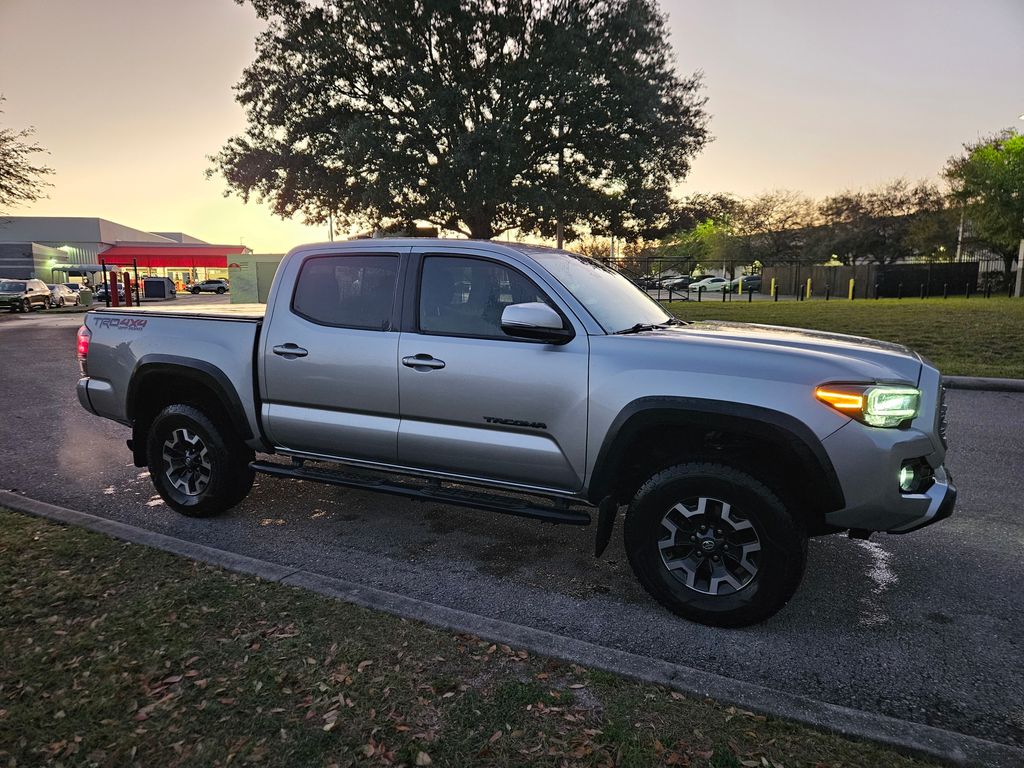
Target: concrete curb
983,384
913,738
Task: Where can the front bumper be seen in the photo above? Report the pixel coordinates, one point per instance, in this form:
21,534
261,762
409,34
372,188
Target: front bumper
867,462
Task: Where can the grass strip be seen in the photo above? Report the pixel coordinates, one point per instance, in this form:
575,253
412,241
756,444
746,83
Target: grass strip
113,654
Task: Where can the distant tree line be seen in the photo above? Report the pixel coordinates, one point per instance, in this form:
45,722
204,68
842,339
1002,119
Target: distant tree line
981,209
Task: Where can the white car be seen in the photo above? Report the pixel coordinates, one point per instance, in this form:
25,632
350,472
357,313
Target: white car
61,295
710,284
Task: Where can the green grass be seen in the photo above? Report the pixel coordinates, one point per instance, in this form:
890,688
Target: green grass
113,655
963,337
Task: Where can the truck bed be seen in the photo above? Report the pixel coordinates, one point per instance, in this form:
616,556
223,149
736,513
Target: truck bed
214,343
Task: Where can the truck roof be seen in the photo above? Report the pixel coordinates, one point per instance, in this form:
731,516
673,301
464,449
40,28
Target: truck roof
425,242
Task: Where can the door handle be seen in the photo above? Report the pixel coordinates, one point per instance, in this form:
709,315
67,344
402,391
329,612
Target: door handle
290,351
422,362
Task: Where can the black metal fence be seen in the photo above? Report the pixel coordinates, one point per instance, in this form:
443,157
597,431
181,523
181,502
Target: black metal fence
668,279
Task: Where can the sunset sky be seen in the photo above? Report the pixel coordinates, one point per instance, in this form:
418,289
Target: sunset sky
131,96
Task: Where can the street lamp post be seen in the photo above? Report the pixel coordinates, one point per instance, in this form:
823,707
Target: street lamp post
1020,269
1020,262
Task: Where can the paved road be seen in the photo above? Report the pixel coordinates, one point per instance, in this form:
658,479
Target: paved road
926,627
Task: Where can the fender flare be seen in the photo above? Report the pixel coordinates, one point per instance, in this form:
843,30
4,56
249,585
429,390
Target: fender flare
751,419
203,373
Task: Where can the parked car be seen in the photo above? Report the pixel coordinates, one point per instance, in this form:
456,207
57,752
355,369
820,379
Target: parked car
61,295
210,286
750,283
24,295
76,287
647,281
676,283
102,291
552,382
710,284
682,283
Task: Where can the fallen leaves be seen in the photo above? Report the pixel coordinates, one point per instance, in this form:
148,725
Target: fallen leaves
234,671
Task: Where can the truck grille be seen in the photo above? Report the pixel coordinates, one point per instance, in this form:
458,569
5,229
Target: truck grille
943,407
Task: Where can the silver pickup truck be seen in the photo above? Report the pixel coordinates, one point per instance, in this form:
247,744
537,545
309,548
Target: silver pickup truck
539,383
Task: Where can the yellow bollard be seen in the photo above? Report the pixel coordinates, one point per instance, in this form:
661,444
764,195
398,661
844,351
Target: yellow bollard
773,288
851,289
808,288
739,288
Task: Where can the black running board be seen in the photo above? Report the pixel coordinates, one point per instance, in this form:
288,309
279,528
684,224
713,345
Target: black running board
434,491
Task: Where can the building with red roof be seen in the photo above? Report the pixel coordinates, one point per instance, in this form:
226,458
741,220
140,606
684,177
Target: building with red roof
59,248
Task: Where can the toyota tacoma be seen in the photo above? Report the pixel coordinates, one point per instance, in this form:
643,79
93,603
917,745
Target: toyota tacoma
534,382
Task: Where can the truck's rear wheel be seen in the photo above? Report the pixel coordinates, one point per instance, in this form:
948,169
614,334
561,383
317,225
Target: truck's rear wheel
714,545
199,466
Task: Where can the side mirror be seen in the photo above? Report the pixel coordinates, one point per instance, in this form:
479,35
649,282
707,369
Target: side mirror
535,320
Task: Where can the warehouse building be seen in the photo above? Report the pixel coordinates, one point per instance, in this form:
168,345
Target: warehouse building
62,248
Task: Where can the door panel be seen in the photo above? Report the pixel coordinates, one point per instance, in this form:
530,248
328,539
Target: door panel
331,388
499,407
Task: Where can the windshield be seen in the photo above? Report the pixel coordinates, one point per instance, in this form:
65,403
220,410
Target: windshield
615,302
12,285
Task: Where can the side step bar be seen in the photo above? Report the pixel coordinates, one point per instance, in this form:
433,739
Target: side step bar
433,491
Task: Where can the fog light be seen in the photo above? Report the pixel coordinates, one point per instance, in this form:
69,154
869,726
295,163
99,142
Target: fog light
915,476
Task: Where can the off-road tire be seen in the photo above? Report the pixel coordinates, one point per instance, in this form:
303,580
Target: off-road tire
779,561
229,477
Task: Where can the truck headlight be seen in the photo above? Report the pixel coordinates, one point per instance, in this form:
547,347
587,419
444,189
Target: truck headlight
877,405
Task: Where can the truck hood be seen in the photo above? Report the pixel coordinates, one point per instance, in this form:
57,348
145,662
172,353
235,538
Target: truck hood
902,362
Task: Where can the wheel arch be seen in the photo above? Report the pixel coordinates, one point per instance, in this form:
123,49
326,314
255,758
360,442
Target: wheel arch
159,379
798,447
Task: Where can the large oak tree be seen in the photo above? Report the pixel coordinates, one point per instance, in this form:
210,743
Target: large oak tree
478,116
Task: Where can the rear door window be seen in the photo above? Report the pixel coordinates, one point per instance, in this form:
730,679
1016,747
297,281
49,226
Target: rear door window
347,291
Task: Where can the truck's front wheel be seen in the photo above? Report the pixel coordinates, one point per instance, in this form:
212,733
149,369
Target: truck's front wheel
199,467
714,545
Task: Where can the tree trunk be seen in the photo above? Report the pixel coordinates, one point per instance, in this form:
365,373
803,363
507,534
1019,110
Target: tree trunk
480,227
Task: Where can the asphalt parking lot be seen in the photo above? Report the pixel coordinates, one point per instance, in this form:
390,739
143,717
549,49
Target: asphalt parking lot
927,627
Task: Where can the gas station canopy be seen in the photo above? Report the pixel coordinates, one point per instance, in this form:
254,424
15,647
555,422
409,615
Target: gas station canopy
183,256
